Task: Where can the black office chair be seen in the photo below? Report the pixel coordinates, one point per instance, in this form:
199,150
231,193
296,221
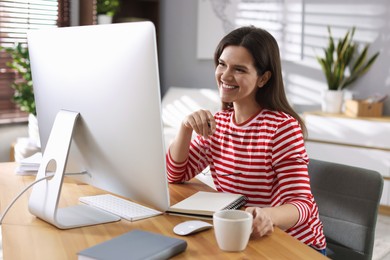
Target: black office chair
348,200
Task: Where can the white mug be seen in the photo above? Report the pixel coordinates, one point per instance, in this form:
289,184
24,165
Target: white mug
232,229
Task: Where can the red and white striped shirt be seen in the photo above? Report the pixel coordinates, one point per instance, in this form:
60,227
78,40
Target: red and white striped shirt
265,159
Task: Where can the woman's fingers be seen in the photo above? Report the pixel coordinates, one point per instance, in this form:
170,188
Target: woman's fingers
262,223
212,125
202,122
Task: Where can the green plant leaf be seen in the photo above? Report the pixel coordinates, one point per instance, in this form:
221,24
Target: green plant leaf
108,7
360,60
337,62
369,63
23,85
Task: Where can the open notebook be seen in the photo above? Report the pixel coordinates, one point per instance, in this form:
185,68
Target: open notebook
204,204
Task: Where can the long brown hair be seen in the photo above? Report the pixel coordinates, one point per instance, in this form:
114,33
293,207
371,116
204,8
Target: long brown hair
265,52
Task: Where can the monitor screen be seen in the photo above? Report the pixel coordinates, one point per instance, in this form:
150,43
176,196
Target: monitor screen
109,75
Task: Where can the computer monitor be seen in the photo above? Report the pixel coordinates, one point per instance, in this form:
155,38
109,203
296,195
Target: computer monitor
101,83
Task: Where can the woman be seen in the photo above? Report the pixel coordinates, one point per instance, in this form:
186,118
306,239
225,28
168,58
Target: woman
255,145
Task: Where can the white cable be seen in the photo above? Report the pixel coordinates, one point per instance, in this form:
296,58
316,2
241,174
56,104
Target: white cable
16,198
29,186
20,194
10,205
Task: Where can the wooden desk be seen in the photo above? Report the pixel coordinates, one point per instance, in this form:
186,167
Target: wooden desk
27,237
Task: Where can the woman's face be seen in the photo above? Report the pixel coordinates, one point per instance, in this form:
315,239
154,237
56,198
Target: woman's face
236,76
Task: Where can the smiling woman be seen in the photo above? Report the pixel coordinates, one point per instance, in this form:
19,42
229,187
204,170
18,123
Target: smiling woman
254,145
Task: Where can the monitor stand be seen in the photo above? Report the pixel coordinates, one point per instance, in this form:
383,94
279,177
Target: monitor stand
45,194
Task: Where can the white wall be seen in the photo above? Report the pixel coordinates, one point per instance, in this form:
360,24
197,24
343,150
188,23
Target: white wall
179,65
8,135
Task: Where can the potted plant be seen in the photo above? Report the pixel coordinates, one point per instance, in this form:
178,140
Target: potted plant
342,65
23,86
106,9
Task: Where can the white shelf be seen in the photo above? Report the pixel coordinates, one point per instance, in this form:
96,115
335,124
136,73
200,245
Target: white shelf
361,142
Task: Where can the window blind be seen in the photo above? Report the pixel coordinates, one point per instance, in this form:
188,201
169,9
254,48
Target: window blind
300,26
16,18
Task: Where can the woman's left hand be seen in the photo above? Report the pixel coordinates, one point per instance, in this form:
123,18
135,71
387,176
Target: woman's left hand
262,223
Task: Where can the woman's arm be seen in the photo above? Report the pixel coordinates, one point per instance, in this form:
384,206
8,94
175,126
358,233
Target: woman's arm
180,165
290,165
180,146
264,219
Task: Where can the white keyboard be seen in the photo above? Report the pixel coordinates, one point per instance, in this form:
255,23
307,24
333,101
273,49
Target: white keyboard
123,208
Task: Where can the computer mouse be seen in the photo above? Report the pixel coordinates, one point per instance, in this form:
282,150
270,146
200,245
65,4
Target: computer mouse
191,227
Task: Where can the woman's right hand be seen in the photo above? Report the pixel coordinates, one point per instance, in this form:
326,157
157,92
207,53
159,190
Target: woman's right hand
262,223
202,122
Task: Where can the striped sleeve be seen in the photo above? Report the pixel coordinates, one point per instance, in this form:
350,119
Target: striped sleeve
175,170
195,163
289,160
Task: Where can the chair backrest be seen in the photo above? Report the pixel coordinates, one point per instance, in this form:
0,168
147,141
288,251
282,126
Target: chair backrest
348,200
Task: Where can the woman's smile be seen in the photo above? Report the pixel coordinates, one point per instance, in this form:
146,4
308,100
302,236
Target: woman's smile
228,87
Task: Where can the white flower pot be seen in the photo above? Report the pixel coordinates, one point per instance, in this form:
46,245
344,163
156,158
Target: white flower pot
104,19
332,101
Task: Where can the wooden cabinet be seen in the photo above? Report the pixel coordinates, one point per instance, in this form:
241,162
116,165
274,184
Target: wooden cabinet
362,142
129,11
142,9
136,10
